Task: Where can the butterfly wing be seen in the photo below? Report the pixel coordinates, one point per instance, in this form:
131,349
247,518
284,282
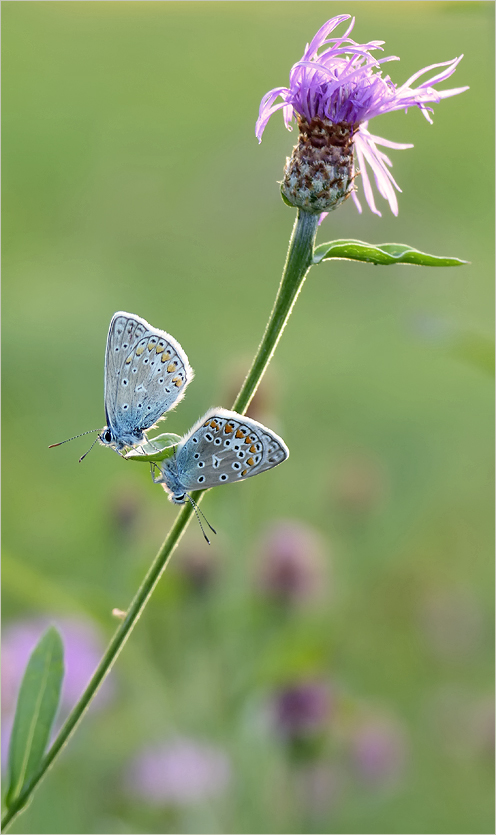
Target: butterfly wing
146,374
224,447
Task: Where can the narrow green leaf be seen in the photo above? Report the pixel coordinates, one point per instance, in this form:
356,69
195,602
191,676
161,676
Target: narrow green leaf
37,705
157,449
383,254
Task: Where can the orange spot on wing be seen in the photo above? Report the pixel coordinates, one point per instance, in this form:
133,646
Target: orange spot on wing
253,448
244,472
240,434
177,381
171,367
228,428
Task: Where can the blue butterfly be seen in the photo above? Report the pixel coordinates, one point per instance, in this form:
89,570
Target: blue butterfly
146,375
222,447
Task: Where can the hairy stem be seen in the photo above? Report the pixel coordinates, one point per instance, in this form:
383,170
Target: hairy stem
298,262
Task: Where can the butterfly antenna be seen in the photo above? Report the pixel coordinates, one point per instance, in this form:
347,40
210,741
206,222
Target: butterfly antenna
198,511
73,438
89,450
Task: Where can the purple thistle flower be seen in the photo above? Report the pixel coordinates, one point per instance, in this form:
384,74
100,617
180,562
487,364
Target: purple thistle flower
334,95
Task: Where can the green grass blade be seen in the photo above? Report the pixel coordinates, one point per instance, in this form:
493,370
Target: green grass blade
383,254
36,708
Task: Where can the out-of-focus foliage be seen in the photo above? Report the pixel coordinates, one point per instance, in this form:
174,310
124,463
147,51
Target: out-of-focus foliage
327,665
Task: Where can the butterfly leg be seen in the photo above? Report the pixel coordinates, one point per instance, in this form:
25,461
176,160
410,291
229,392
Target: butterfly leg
156,479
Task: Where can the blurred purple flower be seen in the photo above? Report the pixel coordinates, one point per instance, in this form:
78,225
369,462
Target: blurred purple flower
302,710
198,566
359,484
334,94
452,622
292,566
378,750
179,773
83,648
262,405
124,509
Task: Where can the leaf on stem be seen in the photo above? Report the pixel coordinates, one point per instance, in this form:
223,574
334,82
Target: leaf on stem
37,705
157,449
383,254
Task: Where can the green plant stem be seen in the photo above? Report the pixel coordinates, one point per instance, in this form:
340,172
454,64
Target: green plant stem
298,262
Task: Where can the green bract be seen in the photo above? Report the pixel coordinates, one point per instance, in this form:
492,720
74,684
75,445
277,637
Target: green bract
157,449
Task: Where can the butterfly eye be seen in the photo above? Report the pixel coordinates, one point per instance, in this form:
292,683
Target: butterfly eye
107,436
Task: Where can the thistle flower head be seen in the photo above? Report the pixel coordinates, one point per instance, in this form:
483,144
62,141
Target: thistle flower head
334,94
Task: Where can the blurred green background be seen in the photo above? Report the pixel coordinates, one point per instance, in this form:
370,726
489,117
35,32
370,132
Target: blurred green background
327,665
